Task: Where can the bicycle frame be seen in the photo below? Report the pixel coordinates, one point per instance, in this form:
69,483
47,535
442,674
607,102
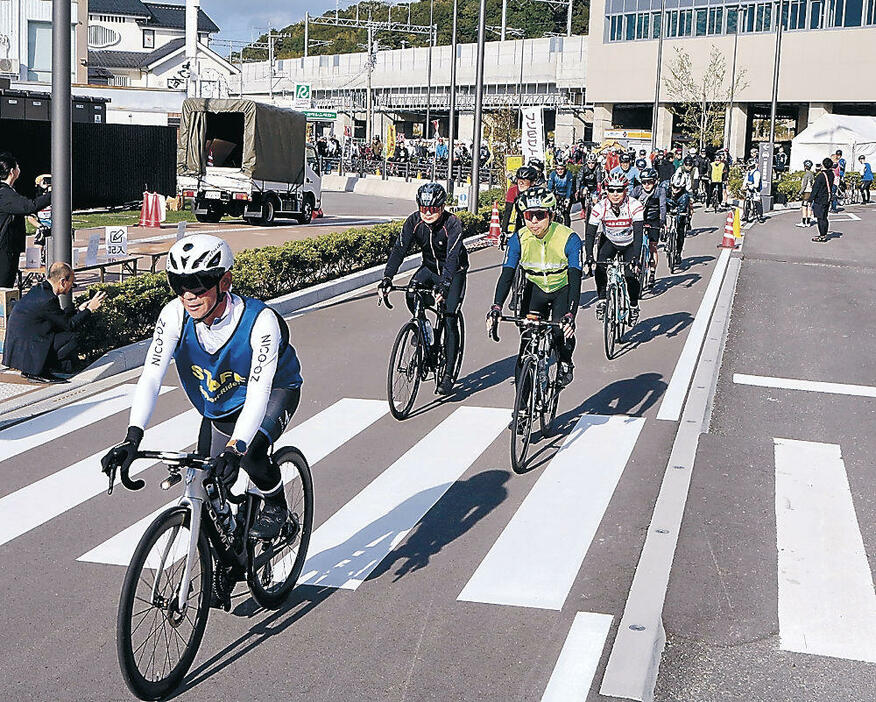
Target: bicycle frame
419,316
617,280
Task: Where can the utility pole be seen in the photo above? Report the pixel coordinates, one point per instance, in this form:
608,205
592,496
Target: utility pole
429,69
192,8
768,174
569,20
479,106
61,132
729,130
271,65
657,81
504,19
370,99
452,130
307,31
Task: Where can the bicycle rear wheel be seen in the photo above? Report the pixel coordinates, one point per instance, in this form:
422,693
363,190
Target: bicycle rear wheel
609,322
457,366
551,397
521,418
274,567
403,376
671,243
156,641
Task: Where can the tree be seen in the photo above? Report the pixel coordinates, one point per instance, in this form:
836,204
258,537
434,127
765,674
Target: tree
700,102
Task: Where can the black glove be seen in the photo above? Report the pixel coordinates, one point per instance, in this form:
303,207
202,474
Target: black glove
226,466
123,455
568,323
495,312
386,283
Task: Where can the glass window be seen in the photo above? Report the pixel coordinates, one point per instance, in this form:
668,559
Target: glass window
702,15
642,25
732,19
148,38
716,20
816,9
643,5
870,16
616,29
672,23
655,24
630,32
763,17
685,23
854,9
616,6
629,5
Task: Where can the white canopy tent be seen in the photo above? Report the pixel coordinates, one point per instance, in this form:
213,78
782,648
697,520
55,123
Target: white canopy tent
853,135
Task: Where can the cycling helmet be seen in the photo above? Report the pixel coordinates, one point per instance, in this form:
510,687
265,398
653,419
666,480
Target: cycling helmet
528,173
625,158
752,163
641,164
807,163
591,158
648,174
688,161
431,195
678,181
536,163
537,198
692,150
198,262
617,180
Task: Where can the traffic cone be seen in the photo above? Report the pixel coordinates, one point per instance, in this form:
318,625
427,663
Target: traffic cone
729,240
317,213
495,229
737,224
149,215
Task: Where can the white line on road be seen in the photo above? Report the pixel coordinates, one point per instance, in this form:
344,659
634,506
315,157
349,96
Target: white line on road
827,605
39,502
316,437
809,385
535,560
673,400
353,541
52,425
576,666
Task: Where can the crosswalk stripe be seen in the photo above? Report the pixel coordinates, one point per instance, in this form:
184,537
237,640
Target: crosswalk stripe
353,541
827,604
317,437
47,427
535,560
573,674
39,502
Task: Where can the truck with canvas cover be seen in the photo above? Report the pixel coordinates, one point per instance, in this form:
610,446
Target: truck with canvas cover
246,159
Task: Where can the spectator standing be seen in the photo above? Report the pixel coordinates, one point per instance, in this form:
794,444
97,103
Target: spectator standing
13,209
806,183
866,179
40,336
822,192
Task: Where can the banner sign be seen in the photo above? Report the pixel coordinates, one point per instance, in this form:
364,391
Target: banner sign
320,115
116,243
390,139
532,139
642,134
512,163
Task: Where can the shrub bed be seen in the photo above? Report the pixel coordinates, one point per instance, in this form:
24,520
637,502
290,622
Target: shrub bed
131,307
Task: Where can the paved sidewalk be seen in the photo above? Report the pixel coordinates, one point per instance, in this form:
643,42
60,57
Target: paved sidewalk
771,596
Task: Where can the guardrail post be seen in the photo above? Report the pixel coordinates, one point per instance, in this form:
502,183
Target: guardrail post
385,160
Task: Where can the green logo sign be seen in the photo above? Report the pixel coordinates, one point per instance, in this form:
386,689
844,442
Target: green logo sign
302,91
320,115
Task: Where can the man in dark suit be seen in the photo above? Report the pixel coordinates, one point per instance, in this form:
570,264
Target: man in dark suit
822,191
13,208
40,336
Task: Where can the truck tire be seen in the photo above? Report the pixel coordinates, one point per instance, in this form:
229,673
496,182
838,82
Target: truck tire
269,211
213,215
306,210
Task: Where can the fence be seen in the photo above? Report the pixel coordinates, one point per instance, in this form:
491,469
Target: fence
421,169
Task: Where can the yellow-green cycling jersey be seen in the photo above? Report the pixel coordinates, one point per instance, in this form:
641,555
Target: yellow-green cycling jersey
546,261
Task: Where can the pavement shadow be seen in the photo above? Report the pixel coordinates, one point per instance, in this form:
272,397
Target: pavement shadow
661,285
493,374
691,261
700,230
666,324
461,507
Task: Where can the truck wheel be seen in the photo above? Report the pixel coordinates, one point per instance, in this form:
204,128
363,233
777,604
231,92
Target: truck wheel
213,215
268,213
306,211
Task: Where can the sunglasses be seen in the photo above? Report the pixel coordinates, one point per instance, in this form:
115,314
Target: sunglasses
616,190
535,215
197,284
431,209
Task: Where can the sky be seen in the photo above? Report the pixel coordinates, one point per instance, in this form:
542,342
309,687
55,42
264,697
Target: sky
242,20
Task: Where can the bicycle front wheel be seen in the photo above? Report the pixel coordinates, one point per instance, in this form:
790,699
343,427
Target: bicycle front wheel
550,398
156,640
609,322
274,567
403,377
522,416
460,325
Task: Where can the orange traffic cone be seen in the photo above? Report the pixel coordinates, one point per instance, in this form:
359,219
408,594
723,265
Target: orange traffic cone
729,240
495,229
149,214
318,213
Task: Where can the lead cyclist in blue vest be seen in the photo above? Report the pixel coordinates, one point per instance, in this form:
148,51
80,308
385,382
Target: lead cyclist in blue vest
235,364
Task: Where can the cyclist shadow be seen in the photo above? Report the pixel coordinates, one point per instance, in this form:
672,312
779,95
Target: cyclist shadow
691,261
647,329
661,285
700,230
478,380
631,397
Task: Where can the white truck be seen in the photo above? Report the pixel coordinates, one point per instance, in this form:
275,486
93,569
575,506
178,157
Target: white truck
246,159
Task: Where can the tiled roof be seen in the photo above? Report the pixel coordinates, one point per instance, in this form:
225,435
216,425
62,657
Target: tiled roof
116,59
174,17
163,51
130,8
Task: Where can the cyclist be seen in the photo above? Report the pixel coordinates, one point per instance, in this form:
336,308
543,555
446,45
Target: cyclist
752,185
688,170
526,177
653,199
679,205
806,183
627,170
236,365
621,219
550,255
589,181
716,184
562,184
701,162
538,165
438,234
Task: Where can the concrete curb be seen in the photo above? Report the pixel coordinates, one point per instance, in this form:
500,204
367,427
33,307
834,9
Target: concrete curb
132,357
634,662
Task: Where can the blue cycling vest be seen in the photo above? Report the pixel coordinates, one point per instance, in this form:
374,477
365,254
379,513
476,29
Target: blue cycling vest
216,382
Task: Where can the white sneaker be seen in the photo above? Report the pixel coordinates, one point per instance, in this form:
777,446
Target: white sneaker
800,224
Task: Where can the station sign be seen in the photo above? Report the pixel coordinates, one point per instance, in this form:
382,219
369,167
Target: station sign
320,115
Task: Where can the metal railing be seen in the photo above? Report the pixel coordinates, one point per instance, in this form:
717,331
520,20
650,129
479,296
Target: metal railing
416,168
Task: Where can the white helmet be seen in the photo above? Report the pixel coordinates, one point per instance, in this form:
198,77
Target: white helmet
198,261
678,181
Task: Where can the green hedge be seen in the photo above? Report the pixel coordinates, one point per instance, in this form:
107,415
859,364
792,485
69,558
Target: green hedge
131,307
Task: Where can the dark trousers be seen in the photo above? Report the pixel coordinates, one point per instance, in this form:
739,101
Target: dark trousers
265,474
820,212
606,252
553,306
8,268
453,303
62,352
865,191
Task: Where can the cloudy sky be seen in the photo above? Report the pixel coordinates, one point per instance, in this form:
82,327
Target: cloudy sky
242,19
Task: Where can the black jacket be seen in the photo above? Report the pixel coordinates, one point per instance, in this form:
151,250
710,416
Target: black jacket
441,243
13,208
35,319
821,188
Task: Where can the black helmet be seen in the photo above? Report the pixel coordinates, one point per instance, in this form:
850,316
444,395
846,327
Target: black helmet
688,161
528,173
536,163
641,164
807,163
431,195
649,174
625,158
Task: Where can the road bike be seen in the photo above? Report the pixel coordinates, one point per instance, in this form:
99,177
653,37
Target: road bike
670,245
418,352
645,257
715,197
538,387
749,207
191,557
616,318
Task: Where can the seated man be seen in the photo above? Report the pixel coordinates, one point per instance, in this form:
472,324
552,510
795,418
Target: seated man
40,336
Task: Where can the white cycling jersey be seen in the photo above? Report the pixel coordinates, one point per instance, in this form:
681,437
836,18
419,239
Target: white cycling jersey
617,227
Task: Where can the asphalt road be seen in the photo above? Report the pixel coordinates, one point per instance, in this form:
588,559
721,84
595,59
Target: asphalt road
451,578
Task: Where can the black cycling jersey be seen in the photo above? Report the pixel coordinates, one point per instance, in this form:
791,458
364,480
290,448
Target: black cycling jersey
589,178
654,204
443,250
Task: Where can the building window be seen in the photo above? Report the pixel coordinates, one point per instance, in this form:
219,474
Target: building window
616,28
716,20
630,21
122,81
701,22
870,17
655,24
685,23
816,10
148,38
642,25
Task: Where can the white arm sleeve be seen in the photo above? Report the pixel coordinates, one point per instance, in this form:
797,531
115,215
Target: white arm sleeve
164,341
265,343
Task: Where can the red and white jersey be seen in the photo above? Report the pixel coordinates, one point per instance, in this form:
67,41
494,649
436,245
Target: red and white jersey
618,228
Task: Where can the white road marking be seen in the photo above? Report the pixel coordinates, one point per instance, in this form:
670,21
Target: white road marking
316,437
52,425
45,499
353,541
576,666
809,385
673,400
827,604
536,559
